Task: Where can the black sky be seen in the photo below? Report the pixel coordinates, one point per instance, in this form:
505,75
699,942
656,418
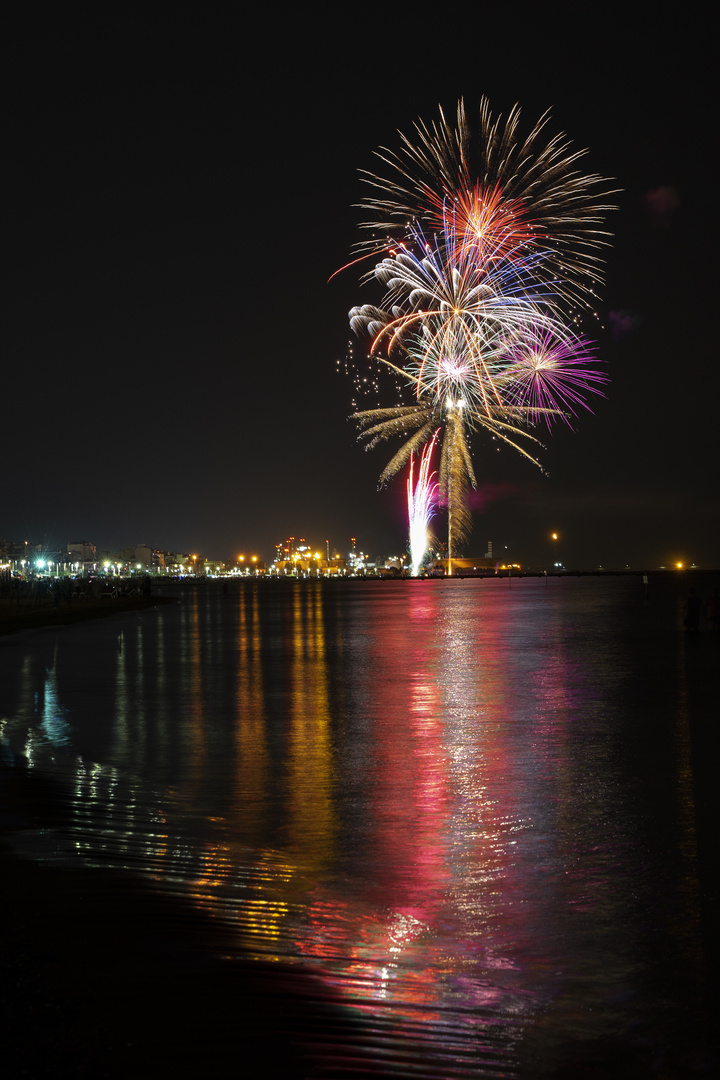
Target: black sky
179,193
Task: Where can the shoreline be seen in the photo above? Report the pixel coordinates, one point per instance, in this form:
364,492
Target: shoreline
23,619
17,620
273,581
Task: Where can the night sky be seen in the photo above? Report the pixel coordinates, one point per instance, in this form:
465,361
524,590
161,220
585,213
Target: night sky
179,192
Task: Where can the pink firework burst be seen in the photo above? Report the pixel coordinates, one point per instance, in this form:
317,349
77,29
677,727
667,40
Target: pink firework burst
548,373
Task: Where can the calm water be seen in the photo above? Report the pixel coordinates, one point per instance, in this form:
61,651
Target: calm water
467,807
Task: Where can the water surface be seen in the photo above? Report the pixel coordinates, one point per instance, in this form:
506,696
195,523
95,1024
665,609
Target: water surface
467,806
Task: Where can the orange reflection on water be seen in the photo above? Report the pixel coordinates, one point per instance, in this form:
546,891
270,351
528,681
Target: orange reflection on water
310,821
252,776
193,664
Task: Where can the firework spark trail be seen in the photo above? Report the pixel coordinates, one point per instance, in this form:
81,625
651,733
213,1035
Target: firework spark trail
421,506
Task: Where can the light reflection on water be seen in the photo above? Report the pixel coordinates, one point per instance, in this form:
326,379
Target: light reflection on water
435,793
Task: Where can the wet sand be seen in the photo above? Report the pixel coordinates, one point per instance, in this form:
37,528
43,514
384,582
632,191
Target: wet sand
101,977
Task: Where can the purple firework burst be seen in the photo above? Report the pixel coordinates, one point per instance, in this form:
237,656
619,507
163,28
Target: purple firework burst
548,372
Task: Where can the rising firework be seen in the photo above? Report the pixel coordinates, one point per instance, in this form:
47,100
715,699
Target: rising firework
417,424
421,498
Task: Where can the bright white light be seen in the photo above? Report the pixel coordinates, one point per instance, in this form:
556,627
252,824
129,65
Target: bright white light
421,500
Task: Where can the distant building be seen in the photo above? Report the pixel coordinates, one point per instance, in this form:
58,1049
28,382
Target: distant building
15,550
82,551
176,562
286,550
140,557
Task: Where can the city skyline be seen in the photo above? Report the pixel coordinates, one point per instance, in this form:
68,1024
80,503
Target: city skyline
38,557
180,200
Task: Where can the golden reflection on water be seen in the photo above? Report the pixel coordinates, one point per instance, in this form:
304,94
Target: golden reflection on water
197,690
252,764
309,776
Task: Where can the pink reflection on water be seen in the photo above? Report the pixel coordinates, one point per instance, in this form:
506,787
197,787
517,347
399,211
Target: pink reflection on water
439,917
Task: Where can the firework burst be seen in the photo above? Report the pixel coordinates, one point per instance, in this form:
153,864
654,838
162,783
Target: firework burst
503,193
548,374
437,281
444,320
